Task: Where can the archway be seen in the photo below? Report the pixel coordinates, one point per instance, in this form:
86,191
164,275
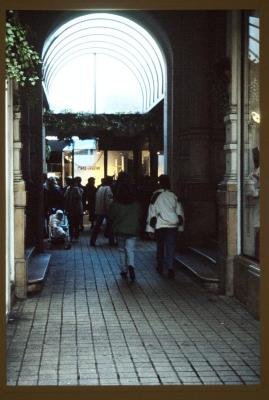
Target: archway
102,63
101,51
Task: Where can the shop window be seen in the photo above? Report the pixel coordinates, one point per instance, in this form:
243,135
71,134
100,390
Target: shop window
119,161
88,161
251,142
145,156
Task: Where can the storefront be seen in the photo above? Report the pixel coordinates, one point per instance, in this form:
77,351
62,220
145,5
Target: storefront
247,267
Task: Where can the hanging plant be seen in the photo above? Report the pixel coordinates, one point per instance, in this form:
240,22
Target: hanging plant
68,124
22,61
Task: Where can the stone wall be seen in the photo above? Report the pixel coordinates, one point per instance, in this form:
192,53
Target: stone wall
197,137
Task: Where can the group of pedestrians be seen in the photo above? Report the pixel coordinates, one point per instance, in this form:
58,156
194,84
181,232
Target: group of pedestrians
74,198
128,212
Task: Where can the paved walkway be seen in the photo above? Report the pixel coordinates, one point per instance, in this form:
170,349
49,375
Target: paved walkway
90,327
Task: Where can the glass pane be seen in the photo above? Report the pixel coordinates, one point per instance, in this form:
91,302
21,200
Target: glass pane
119,161
160,164
251,145
90,165
145,162
114,96
73,94
88,161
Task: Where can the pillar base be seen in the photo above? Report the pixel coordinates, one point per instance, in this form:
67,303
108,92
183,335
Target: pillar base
20,279
227,235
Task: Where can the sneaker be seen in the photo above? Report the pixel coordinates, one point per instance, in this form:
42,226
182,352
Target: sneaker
131,272
171,274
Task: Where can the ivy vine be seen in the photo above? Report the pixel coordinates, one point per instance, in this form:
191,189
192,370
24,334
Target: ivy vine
65,125
22,60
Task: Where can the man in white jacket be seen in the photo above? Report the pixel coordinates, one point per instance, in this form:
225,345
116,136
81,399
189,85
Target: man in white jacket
165,218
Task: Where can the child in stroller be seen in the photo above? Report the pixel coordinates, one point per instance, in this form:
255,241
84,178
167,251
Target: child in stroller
59,229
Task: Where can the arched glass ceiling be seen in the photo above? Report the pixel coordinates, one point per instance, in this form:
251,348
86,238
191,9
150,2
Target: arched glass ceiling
102,63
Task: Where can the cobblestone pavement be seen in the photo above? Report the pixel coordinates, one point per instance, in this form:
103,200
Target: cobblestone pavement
88,326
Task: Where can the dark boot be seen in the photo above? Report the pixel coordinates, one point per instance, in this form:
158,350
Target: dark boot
131,272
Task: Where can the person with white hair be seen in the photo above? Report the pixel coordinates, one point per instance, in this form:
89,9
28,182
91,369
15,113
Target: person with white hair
57,225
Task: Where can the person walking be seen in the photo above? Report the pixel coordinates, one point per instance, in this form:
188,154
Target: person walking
165,218
125,216
90,192
103,199
79,180
74,207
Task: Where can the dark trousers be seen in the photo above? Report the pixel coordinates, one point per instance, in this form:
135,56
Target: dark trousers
98,222
74,221
166,239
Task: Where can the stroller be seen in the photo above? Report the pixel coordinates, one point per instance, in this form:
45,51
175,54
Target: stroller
59,229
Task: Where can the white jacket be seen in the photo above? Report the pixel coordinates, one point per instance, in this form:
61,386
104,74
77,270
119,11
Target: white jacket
57,227
103,199
166,208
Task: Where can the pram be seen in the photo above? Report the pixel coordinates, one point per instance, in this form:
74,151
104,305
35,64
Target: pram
59,229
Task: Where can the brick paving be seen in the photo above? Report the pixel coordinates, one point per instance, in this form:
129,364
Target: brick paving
88,326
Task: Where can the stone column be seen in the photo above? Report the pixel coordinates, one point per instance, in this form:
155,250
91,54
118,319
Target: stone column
10,265
153,149
137,151
227,189
105,162
19,212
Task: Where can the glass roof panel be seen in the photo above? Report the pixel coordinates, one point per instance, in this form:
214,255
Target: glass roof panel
120,45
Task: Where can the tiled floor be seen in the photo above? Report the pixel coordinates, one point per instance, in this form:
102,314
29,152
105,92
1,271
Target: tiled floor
88,326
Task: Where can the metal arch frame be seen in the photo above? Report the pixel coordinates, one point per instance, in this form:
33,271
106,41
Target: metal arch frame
155,90
54,54
94,42
150,45
143,90
50,66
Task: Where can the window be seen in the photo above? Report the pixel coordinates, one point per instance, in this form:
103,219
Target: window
250,142
118,161
88,160
102,63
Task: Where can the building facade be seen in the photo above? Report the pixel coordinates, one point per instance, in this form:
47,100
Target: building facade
209,137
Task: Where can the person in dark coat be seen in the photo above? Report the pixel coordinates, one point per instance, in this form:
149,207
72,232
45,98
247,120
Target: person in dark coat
55,198
90,191
125,218
78,180
74,207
